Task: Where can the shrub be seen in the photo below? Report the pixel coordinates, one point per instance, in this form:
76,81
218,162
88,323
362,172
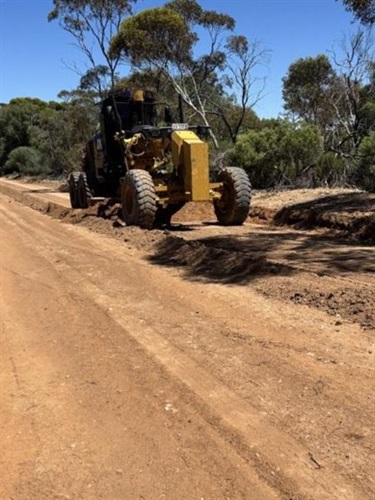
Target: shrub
365,173
281,153
26,161
330,170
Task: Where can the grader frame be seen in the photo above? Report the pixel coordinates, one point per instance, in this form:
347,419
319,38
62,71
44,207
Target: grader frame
154,170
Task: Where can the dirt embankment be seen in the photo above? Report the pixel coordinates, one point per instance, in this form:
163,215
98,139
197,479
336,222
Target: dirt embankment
350,211
330,268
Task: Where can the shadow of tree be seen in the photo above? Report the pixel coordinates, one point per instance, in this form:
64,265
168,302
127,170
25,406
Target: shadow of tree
353,212
225,259
331,255
242,258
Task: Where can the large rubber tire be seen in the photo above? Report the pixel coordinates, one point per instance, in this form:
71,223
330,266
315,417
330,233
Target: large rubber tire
73,189
164,215
232,208
84,191
138,199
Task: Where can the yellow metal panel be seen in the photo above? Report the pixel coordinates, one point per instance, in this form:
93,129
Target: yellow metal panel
196,174
190,155
178,139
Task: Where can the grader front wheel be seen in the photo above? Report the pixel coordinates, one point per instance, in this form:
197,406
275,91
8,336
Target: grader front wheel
232,208
138,199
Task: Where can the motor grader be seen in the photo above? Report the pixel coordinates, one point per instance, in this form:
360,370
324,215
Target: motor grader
154,170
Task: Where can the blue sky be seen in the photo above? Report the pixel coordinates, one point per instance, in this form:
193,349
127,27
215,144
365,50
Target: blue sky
34,53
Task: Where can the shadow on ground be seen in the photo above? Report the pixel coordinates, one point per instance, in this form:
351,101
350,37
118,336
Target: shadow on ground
243,258
41,190
353,213
282,258
331,254
220,259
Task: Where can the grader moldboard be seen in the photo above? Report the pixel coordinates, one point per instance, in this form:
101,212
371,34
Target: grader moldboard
154,170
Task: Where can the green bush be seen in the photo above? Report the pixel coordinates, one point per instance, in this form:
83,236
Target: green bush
330,170
25,161
257,153
365,174
281,153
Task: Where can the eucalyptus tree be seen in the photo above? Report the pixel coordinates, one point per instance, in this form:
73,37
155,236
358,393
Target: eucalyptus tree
353,96
307,88
165,39
364,10
92,24
337,94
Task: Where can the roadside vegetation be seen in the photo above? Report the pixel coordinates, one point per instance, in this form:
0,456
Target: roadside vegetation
325,137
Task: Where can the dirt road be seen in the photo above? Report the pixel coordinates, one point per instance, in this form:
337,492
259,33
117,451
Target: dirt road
151,365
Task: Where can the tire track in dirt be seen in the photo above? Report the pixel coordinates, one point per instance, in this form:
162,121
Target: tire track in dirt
237,259
233,413
105,432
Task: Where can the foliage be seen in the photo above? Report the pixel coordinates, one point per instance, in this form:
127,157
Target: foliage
60,135
364,10
95,80
329,171
307,87
57,131
365,173
26,161
279,153
164,39
367,109
338,95
15,120
92,24
354,60
158,34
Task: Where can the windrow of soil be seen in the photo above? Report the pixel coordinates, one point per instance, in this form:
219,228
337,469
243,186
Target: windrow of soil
349,212
239,257
353,213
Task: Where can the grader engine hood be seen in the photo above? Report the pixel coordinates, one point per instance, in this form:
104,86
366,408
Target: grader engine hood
190,157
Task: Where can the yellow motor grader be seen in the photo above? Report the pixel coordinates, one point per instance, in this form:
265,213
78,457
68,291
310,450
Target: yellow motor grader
154,170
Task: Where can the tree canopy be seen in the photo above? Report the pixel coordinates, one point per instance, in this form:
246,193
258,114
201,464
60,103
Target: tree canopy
307,86
92,24
164,40
325,136
364,10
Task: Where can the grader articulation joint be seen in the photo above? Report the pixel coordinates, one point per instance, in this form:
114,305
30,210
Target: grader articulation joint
154,170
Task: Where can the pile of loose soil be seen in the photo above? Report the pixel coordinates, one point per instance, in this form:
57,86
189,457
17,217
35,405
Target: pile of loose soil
348,211
345,303
233,259
208,260
203,261
352,213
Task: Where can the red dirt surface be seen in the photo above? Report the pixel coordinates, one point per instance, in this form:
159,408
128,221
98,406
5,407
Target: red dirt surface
190,362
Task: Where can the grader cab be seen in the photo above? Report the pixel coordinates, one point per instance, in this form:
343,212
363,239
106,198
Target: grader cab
154,170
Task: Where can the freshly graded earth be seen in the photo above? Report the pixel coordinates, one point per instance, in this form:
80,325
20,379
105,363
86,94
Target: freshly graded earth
188,362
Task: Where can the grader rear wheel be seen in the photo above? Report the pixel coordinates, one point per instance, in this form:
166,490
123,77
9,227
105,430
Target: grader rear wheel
138,199
73,189
84,191
232,208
